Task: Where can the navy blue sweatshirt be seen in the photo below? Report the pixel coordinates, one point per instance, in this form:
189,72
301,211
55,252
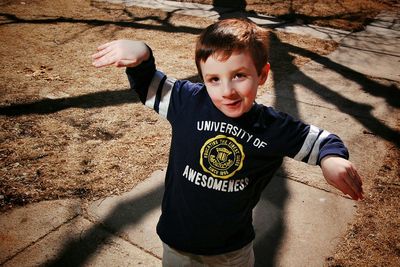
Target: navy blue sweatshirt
218,166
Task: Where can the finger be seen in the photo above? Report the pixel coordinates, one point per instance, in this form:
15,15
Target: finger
350,188
105,61
331,182
103,46
348,191
103,52
354,180
357,178
102,63
342,186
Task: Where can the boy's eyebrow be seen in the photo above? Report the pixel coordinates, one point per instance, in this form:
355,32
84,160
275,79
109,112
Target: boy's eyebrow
210,75
233,71
240,69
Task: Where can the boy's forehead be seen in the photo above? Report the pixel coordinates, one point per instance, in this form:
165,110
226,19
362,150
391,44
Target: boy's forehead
223,56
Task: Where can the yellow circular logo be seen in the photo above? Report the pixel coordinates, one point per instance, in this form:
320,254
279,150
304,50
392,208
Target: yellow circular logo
221,156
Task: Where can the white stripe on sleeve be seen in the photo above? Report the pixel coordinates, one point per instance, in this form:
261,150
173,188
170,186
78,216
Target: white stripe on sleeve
165,97
153,87
308,143
315,151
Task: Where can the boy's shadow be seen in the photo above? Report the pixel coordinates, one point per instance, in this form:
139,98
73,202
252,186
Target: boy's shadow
269,222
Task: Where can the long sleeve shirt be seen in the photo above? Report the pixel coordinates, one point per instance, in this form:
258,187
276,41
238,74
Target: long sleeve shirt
218,166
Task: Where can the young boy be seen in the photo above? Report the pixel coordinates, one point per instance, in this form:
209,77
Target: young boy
225,147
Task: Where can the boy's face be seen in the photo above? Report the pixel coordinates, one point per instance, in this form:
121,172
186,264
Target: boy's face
232,84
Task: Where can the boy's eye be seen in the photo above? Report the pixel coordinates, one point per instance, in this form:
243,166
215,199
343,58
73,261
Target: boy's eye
213,80
239,75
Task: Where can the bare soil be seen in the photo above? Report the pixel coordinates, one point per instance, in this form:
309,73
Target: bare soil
373,239
70,130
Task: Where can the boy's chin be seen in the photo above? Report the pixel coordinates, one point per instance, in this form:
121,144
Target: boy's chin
233,113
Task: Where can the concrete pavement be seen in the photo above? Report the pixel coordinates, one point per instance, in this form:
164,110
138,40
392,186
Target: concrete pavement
299,219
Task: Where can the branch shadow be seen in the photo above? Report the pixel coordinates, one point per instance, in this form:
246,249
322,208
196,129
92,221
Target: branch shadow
92,100
363,111
390,93
359,111
164,26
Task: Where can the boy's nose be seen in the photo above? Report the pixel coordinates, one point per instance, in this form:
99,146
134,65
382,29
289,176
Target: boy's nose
228,89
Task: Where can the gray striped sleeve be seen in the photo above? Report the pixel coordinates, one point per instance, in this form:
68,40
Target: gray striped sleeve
159,93
311,145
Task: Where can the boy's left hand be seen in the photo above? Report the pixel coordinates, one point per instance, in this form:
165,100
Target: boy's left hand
342,174
121,53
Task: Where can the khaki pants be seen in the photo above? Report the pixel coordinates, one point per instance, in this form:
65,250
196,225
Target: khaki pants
243,257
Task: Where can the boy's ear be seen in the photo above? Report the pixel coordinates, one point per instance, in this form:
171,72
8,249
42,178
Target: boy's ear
264,74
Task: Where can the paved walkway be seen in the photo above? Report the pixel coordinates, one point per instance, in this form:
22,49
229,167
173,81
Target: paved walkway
299,219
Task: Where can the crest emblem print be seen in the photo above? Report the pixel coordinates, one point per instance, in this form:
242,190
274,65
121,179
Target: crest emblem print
221,156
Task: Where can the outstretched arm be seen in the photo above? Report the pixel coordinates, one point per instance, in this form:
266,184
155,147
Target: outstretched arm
342,174
121,53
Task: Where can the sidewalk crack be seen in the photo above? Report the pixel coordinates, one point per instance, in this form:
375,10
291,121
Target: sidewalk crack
38,240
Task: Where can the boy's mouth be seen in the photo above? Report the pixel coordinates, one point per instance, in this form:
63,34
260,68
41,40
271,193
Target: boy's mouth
233,104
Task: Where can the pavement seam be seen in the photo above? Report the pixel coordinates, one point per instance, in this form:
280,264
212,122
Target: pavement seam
369,50
292,178
92,219
39,239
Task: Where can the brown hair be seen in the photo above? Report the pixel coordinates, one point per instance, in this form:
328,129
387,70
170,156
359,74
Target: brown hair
231,35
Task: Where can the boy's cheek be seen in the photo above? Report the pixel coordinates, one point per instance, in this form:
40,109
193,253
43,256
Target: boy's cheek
212,92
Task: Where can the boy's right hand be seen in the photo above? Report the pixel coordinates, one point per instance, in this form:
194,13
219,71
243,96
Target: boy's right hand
121,53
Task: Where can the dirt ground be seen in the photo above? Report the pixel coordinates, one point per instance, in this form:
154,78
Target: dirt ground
70,130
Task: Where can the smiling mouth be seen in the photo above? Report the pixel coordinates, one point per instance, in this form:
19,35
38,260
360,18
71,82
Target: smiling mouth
233,104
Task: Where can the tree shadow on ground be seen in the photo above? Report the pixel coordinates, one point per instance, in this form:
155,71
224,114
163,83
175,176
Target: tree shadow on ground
164,24
87,101
359,111
92,100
